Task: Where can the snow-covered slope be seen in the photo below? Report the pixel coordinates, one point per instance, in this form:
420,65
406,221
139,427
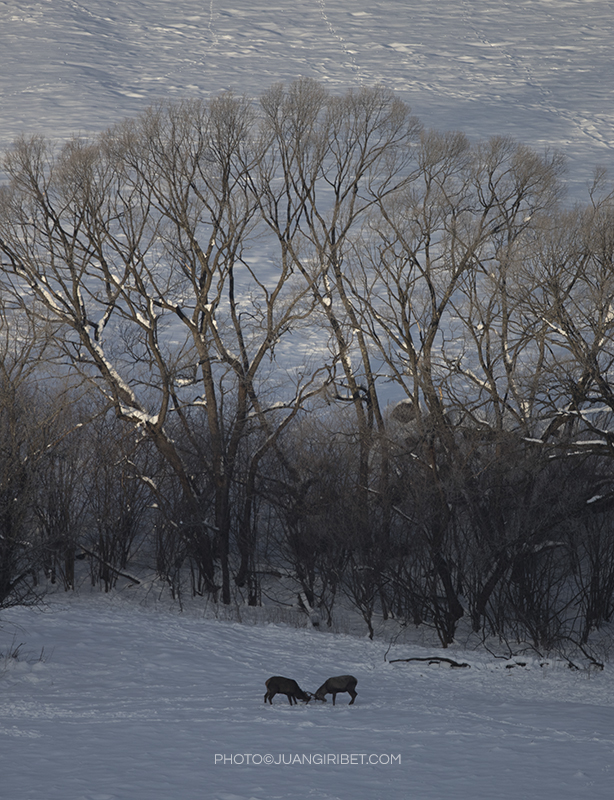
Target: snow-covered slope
540,70
130,704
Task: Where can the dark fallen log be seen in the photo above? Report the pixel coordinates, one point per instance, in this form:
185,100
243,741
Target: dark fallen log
432,660
106,563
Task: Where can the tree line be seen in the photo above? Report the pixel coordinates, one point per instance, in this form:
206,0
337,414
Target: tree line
305,338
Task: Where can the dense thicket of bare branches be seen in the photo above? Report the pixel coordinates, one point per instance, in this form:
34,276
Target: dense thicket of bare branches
305,340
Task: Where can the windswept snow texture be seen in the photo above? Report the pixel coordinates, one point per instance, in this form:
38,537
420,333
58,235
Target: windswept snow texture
138,705
539,70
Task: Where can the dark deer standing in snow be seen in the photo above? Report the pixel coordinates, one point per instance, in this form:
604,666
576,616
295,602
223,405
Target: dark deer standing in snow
342,683
279,685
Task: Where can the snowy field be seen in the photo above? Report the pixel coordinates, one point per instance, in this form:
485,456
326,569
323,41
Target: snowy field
539,70
136,704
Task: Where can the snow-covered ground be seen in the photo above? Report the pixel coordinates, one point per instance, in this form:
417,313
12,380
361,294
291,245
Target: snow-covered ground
130,703
540,70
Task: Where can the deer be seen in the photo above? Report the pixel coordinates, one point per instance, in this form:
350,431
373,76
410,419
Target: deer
342,683
279,685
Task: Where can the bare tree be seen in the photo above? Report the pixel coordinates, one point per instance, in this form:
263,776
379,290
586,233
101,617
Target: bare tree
29,432
138,245
330,161
429,276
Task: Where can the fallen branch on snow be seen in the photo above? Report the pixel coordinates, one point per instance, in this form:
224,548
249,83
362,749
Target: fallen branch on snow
432,660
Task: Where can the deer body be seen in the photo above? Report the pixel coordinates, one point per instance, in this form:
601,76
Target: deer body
279,685
342,683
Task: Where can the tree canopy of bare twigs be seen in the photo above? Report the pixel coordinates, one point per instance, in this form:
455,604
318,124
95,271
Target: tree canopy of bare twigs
218,273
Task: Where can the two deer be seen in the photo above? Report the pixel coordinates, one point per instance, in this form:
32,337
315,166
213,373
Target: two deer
289,687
